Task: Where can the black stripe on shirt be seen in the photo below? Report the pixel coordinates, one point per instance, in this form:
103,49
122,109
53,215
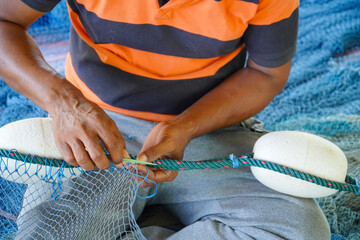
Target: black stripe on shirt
275,44
129,91
251,1
41,5
162,39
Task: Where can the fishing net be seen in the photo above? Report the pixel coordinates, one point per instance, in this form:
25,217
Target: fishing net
65,208
322,97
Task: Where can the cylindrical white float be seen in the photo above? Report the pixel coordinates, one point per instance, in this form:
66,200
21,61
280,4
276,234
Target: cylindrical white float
304,152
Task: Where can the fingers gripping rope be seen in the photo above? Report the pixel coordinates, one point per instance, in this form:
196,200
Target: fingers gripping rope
232,161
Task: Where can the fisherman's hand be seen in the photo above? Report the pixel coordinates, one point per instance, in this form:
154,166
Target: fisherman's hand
78,126
164,141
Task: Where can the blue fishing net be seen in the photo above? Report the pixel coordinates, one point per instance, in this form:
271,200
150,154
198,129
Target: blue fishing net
322,97
90,205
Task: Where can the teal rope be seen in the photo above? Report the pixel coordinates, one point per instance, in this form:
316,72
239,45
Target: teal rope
350,185
34,159
247,160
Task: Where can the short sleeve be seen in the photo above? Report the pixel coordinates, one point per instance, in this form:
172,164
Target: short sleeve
271,36
41,5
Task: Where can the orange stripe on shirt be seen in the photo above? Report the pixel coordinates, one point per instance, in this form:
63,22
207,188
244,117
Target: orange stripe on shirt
270,11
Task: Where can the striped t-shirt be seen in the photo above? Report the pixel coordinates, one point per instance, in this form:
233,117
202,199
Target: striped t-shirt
152,59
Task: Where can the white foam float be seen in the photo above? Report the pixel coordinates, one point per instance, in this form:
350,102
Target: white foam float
304,152
32,136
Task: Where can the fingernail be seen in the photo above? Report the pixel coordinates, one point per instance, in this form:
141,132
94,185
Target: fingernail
123,164
119,165
142,158
126,154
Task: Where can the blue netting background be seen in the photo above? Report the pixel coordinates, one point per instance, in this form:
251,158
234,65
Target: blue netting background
322,95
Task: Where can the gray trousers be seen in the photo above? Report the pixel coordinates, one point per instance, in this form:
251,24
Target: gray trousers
220,204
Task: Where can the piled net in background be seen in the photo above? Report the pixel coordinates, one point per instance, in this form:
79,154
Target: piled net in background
322,97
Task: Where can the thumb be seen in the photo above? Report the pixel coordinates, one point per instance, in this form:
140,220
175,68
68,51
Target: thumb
142,157
154,152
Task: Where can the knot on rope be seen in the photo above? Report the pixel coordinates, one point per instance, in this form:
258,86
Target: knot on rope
235,160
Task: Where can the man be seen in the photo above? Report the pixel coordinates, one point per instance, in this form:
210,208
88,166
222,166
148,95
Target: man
183,64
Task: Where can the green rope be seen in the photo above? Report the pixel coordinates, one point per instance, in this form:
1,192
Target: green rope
350,185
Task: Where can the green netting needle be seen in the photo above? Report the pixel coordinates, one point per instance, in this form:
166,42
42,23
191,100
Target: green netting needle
137,161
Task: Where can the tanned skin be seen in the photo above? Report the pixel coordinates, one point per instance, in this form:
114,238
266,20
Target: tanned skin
79,123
